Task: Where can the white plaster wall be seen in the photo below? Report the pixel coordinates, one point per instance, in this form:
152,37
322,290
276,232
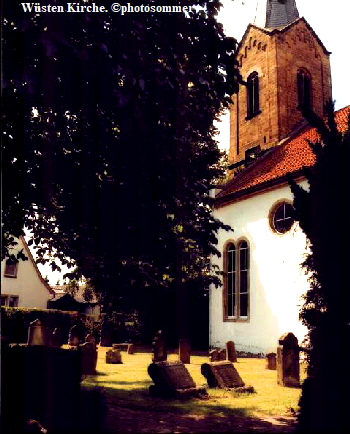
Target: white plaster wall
28,286
276,278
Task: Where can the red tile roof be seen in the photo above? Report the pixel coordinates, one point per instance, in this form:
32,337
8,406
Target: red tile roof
289,157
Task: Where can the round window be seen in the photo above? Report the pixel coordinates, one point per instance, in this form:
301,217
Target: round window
282,217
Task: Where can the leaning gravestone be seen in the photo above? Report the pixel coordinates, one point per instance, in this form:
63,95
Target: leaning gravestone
288,370
37,334
221,374
158,348
88,358
172,380
271,361
113,356
185,350
213,356
231,351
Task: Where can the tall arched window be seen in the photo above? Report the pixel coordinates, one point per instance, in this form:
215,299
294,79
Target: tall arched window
253,95
304,89
236,282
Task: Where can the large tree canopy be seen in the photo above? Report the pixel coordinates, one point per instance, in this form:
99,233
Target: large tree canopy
108,149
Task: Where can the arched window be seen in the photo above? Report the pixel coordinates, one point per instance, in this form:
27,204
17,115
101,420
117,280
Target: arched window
304,89
253,95
236,282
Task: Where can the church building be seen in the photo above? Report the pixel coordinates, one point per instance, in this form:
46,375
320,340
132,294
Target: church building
284,66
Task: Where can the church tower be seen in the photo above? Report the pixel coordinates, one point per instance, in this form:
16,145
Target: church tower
284,66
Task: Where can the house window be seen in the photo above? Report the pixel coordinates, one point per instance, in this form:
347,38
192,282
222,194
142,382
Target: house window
304,89
253,95
9,300
236,281
11,268
282,217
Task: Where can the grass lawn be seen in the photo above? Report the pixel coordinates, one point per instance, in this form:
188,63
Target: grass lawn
127,386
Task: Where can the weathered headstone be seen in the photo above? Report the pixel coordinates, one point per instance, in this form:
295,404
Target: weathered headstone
158,347
271,361
74,336
90,338
231,351
106,334
172,380
213,356
222,354
185,350
57,338
131,349
88,358
221,374
113,356
37,334
288,370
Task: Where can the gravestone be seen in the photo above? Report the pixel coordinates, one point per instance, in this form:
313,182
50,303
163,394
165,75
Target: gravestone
221,374
113,356
158,348
185,350
37,334
288,370
88,358
231,351
106,334
222,354
90,338
271,361
172,380
74,336
129,348
57,338
213,356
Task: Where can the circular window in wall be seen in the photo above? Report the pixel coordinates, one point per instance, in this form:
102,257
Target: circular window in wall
282,217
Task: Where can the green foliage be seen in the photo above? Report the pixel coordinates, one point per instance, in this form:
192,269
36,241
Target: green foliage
114,157
15,321
323,216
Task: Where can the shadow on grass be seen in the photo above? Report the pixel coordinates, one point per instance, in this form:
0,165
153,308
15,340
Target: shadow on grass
133,411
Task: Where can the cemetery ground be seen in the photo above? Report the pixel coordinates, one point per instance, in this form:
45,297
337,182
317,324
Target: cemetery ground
119,398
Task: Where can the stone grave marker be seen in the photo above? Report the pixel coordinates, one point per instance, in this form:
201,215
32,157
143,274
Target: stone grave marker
172,380
88,358
113,356
129,348
231,351
158,347
38,334
222,354
271,361
106,333
185,350
90,338
57,338
74,336
288,370
221,374
213,356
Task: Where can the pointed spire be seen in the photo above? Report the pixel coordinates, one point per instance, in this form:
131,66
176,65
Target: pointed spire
274,14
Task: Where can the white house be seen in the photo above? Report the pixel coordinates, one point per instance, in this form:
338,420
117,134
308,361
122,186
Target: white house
22,285
284,66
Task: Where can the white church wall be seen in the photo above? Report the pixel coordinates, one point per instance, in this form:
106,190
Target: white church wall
276,279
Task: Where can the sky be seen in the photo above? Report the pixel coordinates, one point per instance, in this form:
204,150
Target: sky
329,19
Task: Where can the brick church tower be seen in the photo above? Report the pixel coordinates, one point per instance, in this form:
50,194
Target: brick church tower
284,66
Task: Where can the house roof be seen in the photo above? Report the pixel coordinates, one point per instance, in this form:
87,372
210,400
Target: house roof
31,259
290,156
60,291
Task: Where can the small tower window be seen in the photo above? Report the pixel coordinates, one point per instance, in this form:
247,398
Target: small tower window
253,95
304,89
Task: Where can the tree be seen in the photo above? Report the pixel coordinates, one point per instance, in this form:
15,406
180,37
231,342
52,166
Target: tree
323,216
108,142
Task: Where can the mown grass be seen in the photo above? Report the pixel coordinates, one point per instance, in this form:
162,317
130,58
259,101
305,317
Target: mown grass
127,385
